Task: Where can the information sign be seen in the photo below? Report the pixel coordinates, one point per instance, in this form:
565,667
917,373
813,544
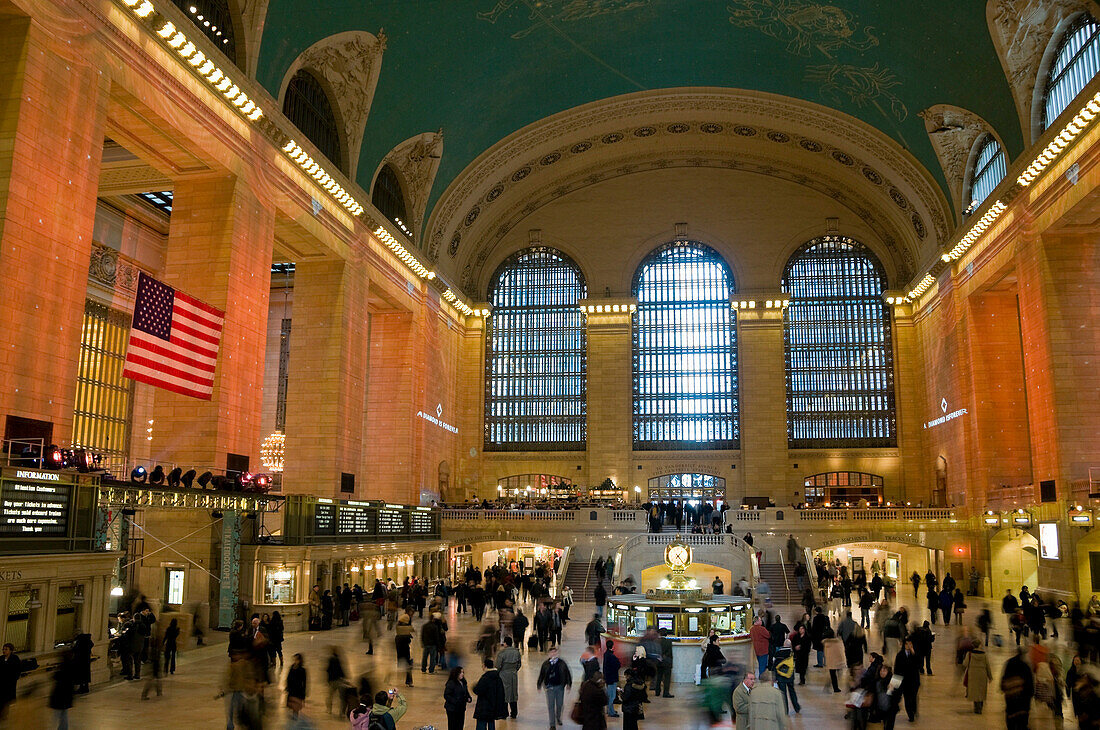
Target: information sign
34,508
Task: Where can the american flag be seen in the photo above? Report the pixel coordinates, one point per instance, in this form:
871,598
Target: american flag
174,340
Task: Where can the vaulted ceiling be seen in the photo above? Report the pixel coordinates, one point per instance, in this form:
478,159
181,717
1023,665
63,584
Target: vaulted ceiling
482,69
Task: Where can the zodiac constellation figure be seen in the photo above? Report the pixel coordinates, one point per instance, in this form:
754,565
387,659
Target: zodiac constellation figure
863,85
543,12
803,25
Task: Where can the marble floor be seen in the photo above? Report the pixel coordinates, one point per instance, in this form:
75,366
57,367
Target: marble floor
189,696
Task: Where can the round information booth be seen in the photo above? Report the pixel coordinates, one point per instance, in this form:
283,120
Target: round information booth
685,612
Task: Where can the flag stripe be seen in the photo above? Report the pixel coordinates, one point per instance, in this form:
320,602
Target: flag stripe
159,379
197,316
179,325
213,312
174,340
178,369
144,342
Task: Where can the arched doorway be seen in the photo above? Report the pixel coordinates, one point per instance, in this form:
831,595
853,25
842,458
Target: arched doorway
1014,561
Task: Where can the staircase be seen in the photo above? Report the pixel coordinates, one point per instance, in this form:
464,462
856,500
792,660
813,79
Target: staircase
575,574
773,573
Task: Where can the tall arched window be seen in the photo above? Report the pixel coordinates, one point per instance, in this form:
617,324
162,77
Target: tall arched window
839,348
685,351
389,198
989,170
535,355
1075,63
307,105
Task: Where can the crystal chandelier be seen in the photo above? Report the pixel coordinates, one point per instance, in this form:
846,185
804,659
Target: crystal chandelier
271,451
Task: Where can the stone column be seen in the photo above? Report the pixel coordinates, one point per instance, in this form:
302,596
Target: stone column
52,111
326,388
763,392
1061,346
610,396
219,251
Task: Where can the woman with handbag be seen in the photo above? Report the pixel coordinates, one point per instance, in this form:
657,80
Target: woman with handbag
886,698
976,676
634,695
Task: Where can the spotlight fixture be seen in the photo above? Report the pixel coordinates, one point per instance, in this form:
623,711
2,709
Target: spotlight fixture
204,479
83,460
221,482
157,477
242,480
55,459
139,475
188,478
261,482
216,514
174,477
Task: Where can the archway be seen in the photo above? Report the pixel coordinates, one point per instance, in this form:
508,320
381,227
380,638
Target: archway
1088,566
1014,561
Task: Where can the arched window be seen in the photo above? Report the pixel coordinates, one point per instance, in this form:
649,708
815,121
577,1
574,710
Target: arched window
388,197
215,20
535,355
685,351
989,170
308,107
1075,63
839,348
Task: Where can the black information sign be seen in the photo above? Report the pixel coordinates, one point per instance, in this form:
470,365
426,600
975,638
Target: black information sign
354,521
33,508
391,522
324,520
421,522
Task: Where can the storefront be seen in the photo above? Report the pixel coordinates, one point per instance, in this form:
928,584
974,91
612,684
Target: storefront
688,489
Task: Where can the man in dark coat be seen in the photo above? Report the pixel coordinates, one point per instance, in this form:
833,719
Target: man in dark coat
592,631
907,664
11,666
490,705
1018,685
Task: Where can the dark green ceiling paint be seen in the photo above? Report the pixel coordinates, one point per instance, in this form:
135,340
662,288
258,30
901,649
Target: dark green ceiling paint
445,66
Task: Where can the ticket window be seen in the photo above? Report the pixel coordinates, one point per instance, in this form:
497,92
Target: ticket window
280,584
65,622
17,626
174,581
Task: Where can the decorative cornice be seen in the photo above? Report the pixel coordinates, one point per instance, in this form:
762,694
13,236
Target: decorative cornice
508,218
655,117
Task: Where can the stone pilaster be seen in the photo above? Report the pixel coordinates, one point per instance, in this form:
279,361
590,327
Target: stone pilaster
219,251
52,111
326,388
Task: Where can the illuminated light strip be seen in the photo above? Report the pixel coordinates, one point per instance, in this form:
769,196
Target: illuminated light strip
311,168
745,304
975,231
605,308
922,287
178,41
402,253
460,305
1056,146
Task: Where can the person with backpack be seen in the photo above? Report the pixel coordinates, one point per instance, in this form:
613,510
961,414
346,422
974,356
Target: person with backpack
784,677
389,707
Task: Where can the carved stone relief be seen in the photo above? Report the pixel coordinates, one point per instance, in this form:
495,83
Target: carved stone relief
953,132
718,114
1022,31
508,218
416,161
348,65
253,15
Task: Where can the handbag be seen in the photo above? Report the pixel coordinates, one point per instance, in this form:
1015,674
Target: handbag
577,713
